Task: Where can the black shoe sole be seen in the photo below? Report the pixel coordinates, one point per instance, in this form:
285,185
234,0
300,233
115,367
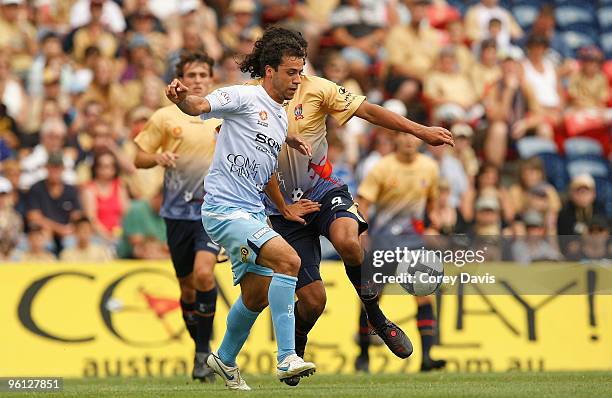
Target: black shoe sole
295,380
434,366
407,348
362,366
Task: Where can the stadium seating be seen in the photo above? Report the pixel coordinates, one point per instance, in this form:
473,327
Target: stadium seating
568,15
604,16
535,3
458,4
606,44
576,3
547,151
525,14
575,40
608,203
580,146
532,146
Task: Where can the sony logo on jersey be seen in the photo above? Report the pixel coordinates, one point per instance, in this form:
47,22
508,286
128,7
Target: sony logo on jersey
271,142
261,232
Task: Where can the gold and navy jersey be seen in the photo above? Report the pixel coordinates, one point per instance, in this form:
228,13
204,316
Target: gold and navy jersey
398,193
298,176
193,140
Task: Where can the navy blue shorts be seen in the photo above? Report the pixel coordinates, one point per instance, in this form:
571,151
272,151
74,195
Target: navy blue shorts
305,239
185,239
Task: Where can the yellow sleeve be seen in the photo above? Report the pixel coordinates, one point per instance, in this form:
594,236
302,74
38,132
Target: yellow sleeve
532,101
604,91
340,103
433,192
371,186
151,137
430,87
472,30
572,88
515,28
395,47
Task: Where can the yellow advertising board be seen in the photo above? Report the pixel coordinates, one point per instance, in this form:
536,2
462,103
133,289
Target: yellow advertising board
123,319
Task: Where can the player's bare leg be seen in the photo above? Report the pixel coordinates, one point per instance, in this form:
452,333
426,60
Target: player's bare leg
309,307
344,235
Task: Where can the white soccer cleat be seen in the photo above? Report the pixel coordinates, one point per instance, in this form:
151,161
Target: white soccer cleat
293,366
230,375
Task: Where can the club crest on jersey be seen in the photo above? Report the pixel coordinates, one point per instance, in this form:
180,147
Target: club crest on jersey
263,116
177,131
298,112
244,254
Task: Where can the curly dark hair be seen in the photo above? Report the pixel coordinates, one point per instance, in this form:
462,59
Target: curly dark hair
275,44
189,57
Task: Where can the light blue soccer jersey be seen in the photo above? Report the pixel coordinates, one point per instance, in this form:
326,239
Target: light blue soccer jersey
254,129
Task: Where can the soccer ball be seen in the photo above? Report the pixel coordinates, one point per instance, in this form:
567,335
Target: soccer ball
297,194
426,274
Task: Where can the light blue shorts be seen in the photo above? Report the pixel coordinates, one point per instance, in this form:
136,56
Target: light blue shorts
241,233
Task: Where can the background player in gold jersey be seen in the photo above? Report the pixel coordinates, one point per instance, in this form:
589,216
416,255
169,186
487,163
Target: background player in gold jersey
184,146
403,188
313,178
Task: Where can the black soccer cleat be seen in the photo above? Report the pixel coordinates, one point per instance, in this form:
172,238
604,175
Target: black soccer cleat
201,371
432,364
395,339
292,381
362,364
295,380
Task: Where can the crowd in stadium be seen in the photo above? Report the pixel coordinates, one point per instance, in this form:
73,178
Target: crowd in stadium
523,86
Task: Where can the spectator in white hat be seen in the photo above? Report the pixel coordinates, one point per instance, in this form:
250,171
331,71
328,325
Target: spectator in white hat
536,245
52,139
580,208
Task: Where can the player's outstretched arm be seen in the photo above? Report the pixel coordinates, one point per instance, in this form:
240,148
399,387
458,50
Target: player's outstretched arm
146,160
192,105
380,116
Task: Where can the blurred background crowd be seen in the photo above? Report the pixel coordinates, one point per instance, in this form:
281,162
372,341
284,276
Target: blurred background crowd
522,84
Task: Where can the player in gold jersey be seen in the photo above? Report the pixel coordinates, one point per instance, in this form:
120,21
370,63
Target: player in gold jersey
184,145
403,187
312,178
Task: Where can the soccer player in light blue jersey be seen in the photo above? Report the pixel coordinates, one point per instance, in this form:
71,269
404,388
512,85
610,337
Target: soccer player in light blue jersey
264,264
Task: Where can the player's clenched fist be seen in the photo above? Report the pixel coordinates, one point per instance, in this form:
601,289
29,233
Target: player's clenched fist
176,91
166,159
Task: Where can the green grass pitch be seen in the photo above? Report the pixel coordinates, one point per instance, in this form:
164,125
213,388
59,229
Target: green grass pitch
515,385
